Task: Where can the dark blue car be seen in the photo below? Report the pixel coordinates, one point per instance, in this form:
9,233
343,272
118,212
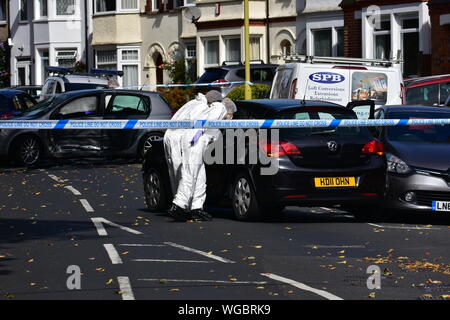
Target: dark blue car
14,102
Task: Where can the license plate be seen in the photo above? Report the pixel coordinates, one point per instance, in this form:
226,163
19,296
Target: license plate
440,206
335,182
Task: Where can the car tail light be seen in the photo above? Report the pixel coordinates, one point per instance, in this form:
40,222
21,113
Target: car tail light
7,115
222,83
280,150
373,147
293,89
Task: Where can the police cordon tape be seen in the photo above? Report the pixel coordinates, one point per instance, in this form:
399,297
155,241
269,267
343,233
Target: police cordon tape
172,85
208,124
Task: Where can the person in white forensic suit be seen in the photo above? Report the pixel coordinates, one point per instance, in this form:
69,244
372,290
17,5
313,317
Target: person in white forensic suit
191,194
197,109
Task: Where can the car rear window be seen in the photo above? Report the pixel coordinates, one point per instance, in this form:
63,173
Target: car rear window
212,75
319,114
426,133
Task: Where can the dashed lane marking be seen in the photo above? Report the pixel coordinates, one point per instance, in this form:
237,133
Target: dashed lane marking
86,205
112,253
57,179
73,190
205,254
125,288
302,286
403,228
141,245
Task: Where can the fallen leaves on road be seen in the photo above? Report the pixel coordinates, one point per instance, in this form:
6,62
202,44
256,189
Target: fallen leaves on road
174,290
109,281
100,269
372,295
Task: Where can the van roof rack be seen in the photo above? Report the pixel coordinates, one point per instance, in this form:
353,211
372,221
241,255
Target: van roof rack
343,60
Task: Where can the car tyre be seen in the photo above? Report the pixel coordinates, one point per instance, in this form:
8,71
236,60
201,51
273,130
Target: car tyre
147,143
243,199
27,150
155,190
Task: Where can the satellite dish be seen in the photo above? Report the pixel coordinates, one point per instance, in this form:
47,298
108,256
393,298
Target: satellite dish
192,13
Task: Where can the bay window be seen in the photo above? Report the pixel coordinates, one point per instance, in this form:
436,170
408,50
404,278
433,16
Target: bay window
410,44
233,49
212,52
65,7
106,59
105,5
23,10
41,9
2,10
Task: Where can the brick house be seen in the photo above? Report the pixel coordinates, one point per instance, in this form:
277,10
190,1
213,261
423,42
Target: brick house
383,29
440,36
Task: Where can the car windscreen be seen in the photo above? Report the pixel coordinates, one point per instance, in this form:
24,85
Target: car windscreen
84,86
320,114
212,75
423,133
42,107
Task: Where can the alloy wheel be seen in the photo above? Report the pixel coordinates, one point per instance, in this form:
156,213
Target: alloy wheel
242,196
153,189
29,150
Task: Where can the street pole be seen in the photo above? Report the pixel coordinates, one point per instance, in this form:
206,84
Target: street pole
248,90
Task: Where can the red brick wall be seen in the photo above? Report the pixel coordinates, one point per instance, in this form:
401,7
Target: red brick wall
440,40
352,34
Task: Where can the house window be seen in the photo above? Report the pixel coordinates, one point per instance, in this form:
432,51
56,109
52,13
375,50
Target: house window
105,5
65,7
410,45
183,3
2,10
212,52
44,64
42,8
255,48
322,42
340,42
233,50
130,67
66,58
129,4
382,38
107,59
191,60
23,10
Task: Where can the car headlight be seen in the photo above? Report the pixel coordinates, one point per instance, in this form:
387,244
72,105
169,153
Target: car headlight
397,165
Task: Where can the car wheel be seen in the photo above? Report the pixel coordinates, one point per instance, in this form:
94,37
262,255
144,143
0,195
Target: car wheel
155,191
147,143
243,199
28,151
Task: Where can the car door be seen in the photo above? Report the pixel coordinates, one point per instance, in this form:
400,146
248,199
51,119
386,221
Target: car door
69,142
364,109
124,106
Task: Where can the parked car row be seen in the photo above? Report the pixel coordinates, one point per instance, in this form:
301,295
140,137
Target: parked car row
367,173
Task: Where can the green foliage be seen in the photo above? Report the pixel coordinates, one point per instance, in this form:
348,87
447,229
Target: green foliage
79,66
178,96
4,65
259,91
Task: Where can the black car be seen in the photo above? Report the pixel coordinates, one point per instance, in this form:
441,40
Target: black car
29,146
316,166
259,73
14,102
418,160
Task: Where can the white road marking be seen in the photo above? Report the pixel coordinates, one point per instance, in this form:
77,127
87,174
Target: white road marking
98,223
141,245
302,286
125,287
404,228
56,178
73,190
328,209
205,281
86,205
113,254
163,260
205,254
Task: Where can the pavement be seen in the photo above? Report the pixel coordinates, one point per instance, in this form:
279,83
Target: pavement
80,229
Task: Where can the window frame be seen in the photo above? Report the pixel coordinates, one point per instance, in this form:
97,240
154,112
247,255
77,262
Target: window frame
335,24
27,18
4,12
37,10
75,13
205,62
119,9
121,62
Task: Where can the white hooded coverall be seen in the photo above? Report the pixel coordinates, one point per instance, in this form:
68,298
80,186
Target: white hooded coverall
191,193
193,110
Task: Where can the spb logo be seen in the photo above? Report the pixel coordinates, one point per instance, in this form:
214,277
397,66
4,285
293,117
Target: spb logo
326,77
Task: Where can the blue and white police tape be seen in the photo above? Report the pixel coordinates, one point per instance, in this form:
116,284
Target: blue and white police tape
212,84
205,124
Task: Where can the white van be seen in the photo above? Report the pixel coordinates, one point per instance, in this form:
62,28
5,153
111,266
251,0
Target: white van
339,80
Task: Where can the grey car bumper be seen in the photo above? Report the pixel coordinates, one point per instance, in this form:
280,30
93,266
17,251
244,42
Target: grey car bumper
426,189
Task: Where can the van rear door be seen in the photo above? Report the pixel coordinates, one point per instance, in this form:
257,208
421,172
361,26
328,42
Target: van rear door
324,83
